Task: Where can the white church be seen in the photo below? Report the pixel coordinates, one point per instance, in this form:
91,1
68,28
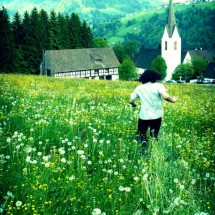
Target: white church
171,49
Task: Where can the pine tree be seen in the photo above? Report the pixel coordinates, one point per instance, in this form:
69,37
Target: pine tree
7,46
63,23
44,27
55,40
86,36
74,31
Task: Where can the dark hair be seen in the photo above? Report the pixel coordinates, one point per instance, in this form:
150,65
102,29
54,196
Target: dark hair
149,76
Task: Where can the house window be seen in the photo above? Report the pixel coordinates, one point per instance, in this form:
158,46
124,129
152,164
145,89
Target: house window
165,45
175,45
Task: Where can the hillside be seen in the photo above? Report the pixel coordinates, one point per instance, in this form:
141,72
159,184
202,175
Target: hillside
88,10
194,22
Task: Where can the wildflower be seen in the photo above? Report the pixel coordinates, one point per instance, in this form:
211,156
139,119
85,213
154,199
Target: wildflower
170,190
61,151
8,139
108,141
145,177
18,203
63,160
127,189
47,164
116,173
80,152
39,153
10,194
85,145
193,181
207,175
182,187
96,211
89,162
28,159
177,201
71,178
176,180
121,188
136,178
7,157
46,158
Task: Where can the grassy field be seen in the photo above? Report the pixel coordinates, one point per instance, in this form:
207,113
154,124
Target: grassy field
69,146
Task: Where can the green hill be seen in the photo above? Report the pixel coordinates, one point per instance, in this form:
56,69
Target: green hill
194,22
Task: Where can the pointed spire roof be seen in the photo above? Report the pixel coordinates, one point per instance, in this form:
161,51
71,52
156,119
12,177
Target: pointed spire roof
171,19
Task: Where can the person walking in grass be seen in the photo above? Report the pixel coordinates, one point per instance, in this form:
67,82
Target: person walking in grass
150,94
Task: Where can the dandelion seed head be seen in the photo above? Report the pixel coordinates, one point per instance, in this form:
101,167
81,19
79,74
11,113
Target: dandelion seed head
18,203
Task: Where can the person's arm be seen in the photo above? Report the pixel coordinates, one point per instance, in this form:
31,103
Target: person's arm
168,98
132,102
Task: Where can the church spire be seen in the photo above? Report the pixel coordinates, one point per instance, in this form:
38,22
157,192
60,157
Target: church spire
171,19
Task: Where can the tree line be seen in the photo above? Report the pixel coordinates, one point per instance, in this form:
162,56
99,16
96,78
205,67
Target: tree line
23,39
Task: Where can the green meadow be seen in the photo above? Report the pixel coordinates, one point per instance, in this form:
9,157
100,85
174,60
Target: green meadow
69,146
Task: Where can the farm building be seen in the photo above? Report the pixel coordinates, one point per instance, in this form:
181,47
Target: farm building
91,63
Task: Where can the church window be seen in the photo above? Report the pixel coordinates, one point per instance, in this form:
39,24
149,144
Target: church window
165,45
175,45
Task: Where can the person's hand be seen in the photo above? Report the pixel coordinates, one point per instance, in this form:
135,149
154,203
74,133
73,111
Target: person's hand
174,99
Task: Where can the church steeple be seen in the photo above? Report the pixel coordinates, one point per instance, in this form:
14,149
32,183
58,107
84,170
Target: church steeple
171,43
171,19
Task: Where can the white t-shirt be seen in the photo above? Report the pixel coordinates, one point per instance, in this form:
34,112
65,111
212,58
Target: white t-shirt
150,98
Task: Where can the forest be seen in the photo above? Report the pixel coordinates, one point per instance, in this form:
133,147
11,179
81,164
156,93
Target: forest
24,38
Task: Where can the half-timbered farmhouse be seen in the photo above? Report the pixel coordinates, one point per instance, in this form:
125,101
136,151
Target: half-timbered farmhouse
91,63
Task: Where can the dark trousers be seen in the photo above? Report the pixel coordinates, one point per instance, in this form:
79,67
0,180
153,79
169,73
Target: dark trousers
153,124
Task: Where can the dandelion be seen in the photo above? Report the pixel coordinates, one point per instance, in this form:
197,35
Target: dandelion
71,178
63,160
176,180
96,211
121,188
8,139
28,159
207,175
61,151
7,157
18,203
136,178
46,158
145,177
181,187
116,173
80,152
108,141
10,194
193,181
127,189
47,164
171,191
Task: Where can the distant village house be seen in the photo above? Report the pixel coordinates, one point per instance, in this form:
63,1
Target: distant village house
91,63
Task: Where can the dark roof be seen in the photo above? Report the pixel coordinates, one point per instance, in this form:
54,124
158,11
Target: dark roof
208,55
183,55
81,59
145,57
210,71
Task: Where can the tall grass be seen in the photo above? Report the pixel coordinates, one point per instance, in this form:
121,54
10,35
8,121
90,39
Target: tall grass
69,146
